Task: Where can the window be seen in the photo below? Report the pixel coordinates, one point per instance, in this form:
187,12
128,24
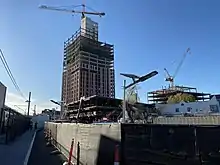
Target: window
177,110
188,109
214,108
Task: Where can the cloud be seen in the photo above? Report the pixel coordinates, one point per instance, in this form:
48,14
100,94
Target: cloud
17,102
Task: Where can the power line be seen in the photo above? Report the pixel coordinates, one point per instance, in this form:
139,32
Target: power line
20,108
8,70
17,108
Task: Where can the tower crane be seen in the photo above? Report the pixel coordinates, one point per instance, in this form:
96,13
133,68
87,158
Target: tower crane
83,12
171,78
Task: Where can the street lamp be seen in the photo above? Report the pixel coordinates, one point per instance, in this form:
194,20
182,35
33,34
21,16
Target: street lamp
136,79
61,104
55,102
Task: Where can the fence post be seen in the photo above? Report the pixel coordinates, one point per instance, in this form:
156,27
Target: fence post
50,137
1,119
117,157
7,127
196,142
46,134
71,152
78,154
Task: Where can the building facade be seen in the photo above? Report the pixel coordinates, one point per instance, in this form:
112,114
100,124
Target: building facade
52,113
2,98
88,67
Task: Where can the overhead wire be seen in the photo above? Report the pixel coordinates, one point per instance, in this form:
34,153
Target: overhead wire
8,70
17,107
20,108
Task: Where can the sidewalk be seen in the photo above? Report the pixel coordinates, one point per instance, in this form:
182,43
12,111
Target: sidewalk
41,154
15,152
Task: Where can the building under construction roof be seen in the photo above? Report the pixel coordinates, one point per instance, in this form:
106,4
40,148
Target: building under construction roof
162,95
95,108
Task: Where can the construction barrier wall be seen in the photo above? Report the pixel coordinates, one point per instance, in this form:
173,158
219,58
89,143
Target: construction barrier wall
140,144
169,144
97,141
200,120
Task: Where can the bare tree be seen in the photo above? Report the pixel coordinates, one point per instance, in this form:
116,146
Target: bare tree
181,97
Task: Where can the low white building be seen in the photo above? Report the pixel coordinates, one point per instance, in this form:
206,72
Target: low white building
40,119
53,113
211,107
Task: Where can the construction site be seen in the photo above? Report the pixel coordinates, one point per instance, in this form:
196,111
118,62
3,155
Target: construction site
162,96
97,128
104,109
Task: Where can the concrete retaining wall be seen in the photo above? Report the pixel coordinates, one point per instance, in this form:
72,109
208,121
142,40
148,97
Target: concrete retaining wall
140,143
97,141
200,120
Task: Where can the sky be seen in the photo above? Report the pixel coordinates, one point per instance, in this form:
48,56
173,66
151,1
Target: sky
147,35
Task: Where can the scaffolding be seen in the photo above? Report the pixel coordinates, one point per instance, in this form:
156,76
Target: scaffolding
88,67
162,95
95,108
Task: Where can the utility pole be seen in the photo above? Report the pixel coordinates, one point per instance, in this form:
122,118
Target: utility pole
61,109
34,110
29,103
124,102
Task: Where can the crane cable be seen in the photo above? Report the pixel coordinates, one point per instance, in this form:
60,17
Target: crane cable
8,70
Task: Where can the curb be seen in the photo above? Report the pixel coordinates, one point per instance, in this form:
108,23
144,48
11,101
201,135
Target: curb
29,150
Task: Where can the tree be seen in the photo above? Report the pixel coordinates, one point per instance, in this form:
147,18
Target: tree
181,97
132,95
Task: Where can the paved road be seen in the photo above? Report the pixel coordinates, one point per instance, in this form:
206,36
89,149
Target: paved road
15,152
41,154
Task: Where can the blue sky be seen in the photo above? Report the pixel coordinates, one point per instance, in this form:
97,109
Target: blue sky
147,35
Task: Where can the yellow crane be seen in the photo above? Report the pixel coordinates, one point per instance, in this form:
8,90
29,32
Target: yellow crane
83,12
171,78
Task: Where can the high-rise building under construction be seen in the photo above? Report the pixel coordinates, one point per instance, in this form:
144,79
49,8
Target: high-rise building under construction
88,67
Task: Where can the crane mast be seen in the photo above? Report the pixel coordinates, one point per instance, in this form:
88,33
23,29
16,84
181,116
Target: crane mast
171,78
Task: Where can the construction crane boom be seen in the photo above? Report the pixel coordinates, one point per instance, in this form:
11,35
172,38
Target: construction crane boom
171,78
181,62
167,72
71,11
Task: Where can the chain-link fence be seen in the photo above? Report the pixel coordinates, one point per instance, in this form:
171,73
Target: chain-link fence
13,124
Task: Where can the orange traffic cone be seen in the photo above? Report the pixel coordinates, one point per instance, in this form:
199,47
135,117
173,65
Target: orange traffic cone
71,152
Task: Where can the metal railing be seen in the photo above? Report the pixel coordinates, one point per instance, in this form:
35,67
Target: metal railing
13,124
